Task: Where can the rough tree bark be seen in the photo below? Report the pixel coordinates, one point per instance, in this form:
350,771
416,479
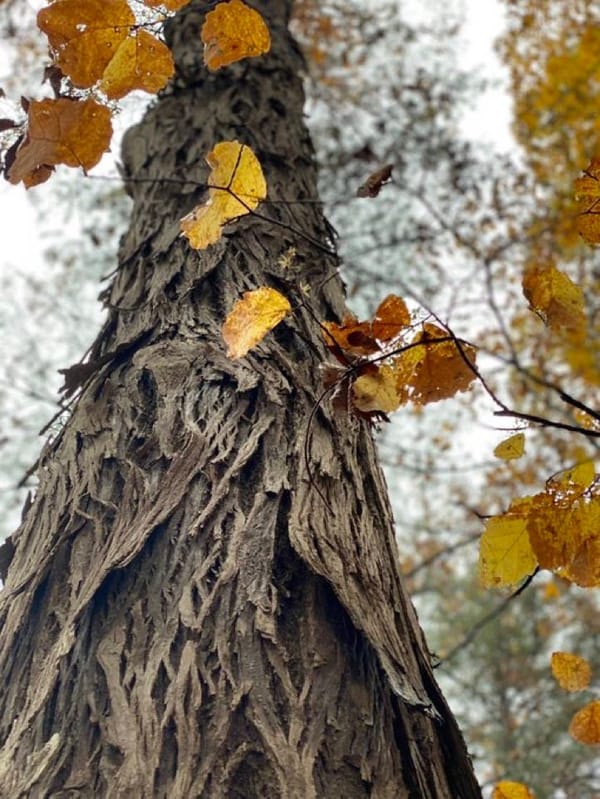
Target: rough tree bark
183,615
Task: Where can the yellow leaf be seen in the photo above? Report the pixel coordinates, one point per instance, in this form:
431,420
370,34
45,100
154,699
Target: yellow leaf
511,448
505,553
231,32
511,790
140,62
585,724
376,391
555,297
62,131
237,185
579,477
435,369
572,672
251,318
85,35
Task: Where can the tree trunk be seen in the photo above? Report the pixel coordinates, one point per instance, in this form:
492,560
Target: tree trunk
184,616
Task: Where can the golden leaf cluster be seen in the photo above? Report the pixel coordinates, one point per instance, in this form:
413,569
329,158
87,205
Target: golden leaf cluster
558,529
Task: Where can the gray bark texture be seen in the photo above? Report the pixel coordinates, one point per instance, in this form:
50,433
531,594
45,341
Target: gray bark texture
184,616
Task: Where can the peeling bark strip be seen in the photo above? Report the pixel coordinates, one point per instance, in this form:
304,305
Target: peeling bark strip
183,617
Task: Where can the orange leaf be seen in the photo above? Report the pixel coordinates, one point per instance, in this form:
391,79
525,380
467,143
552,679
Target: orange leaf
511,790
391,317
435,370
231,32
362,338
511,448
62,131
85,35
572,672
170,5
237,186
251,318
140,62
555,297
585,724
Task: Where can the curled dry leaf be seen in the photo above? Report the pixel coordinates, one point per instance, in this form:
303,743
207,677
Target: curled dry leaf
63,131
572,672
231,32
237,186
251,318
372,185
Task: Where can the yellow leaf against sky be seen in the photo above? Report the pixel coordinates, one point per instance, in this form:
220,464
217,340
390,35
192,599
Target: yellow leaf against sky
505,553
511,790
63,131
555,297
237,185
140,62
572,672
435,370
511,448
251,318
585,724
231,32
377,391
85,35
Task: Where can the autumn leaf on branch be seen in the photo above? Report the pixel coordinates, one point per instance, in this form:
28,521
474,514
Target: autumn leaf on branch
437,368
237,185
553,295
231,32
505,552
587,193
357,339
572,672
558,529
94,40
251,318
63,131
